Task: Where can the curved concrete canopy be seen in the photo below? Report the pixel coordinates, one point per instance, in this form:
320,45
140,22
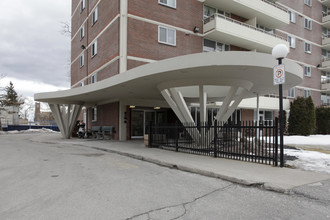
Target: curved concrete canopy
250,70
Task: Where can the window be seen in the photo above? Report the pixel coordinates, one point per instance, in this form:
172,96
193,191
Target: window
94,48
82,32
82,83
307,93
291,93
292,41
308,48
95,15
82,60
169,3
82,5
292,16
308,24
166,36
210,46
308,2
94,78
307,71
94,114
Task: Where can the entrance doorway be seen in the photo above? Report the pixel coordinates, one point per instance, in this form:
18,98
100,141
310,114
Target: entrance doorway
140,119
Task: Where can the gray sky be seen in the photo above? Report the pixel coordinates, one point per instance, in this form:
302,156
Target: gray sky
34,55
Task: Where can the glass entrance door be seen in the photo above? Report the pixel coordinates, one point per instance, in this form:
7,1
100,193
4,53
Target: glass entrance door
137,123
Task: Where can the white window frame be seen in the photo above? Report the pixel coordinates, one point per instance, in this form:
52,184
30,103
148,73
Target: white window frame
308,2
308,24
307,93
167,36
82,32
94,114
82,5
94,78
82,60
308,48
292,15
292,41
94,48
167,3
95,15
308,71
291,93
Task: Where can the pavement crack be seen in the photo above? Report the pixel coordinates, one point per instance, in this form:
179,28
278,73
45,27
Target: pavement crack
183,205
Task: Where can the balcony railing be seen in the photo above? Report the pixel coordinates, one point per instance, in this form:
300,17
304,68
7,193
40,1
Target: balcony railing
276,5
324,14
325,59
325,80
212,17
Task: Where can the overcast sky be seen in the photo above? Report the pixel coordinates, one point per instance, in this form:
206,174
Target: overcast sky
34,55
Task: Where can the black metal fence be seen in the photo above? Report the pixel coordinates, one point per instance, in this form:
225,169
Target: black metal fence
246,141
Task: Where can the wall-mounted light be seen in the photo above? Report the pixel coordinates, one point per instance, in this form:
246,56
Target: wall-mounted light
156,108
196,29
83,47
132,106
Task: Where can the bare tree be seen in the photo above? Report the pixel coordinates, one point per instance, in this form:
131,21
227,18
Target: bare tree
66,28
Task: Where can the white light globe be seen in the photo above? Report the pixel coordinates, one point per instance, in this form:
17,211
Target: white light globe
280,51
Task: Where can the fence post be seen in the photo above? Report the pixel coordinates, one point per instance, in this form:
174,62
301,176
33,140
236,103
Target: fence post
215,137
150,134
176,137
276,141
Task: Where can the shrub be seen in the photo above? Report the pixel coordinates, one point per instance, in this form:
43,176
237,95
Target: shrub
323,120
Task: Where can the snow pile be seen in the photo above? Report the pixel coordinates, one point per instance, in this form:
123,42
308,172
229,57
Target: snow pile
309,160
42,130
308,140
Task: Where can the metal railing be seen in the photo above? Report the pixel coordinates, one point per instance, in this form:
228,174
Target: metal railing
212,17
276,5
246,141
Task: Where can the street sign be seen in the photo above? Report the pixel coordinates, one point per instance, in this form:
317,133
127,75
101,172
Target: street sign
279,74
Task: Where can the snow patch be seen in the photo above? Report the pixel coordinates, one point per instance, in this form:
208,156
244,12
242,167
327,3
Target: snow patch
323,140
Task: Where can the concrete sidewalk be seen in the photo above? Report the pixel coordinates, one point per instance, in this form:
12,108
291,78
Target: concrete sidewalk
268,177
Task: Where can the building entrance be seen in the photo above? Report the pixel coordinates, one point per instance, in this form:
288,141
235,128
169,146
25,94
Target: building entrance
140,119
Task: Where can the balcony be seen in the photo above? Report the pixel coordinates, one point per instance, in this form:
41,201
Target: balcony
325,64
268,14
326,42
325,2
326,20
229,31
325,83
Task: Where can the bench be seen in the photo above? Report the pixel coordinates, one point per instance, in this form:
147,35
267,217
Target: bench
100,132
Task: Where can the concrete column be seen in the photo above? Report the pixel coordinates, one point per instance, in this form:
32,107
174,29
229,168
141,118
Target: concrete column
123,35
202,104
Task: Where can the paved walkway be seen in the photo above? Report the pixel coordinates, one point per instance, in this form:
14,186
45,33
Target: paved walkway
246,173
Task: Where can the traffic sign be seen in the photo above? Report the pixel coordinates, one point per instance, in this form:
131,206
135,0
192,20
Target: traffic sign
279,74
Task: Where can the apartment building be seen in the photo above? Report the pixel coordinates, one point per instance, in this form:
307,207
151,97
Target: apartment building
113,37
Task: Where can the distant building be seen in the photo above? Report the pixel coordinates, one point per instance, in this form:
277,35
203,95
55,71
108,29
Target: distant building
9,115
43,118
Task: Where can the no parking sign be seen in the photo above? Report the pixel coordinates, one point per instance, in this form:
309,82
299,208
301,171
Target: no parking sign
279,74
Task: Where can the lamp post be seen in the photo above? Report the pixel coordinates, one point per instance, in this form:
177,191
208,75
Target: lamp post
279,52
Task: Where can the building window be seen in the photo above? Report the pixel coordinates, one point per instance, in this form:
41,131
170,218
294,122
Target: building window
82,60
95,15
208,11
292,16
308,2
292,41
82,5
307,71
169,3
82,32
308,48
308,24
307,93
94,78
94,114
94,48
82,83
291,93
210,46
166,36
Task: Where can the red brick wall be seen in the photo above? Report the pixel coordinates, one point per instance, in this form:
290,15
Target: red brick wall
247,115
143,42
107,115
133,63
187,14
